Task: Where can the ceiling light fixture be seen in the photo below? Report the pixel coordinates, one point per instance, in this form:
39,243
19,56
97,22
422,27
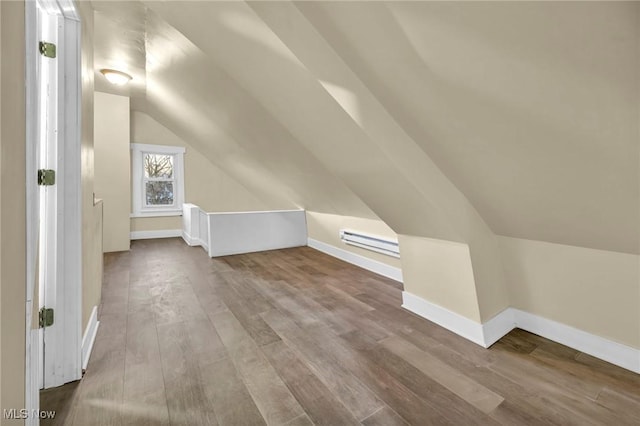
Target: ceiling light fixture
118,78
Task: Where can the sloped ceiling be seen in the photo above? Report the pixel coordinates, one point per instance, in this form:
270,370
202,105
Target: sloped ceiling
446,120
120,29
531,109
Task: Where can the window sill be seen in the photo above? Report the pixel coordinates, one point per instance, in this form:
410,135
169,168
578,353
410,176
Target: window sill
160,213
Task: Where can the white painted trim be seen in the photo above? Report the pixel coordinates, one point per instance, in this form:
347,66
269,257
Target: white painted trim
64,8
191,224
33,387
248,212
491,331
71,238
33,374
450,320
89,337
371,248
358,260
498,326
599,347
162,213
52,201
165,149
192,241
162,233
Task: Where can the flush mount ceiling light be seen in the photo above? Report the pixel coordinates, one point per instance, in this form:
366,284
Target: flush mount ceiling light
118,78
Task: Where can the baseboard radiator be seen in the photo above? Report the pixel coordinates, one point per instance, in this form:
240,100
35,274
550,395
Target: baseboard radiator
375,243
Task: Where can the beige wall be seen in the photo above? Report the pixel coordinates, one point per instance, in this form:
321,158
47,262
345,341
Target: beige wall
91,291
156,223
205,184
441,272
112,155
593,290
91,215
326,228
12,213
1,244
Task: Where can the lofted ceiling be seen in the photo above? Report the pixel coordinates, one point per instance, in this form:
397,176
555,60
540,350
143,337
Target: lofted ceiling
444,119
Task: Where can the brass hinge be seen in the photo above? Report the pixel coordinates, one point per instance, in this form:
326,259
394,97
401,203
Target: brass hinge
47,49
46,177
46,317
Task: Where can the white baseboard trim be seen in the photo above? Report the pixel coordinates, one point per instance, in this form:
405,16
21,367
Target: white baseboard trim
450,320
35,374
194,242
163,233
493,330
596,346
498,326
89,337
358,260
190,240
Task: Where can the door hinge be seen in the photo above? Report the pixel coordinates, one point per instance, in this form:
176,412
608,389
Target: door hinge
47,49
46,317
46,177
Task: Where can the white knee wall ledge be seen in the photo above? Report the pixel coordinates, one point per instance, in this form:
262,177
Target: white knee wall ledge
491,331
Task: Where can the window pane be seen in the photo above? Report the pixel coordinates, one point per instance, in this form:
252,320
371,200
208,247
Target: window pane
159,193
158,166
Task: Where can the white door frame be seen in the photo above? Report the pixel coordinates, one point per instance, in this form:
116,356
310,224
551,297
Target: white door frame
64,346
32,78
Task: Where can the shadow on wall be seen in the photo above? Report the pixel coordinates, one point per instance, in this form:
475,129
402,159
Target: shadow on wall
229,126
493,106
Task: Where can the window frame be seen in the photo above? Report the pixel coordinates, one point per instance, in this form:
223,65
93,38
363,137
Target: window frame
139,203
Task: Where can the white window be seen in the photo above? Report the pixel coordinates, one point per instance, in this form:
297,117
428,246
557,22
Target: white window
157,172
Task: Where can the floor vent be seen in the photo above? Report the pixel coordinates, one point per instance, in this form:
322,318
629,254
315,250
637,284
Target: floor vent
370,242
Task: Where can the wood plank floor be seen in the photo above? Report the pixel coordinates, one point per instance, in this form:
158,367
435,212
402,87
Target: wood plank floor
295,337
